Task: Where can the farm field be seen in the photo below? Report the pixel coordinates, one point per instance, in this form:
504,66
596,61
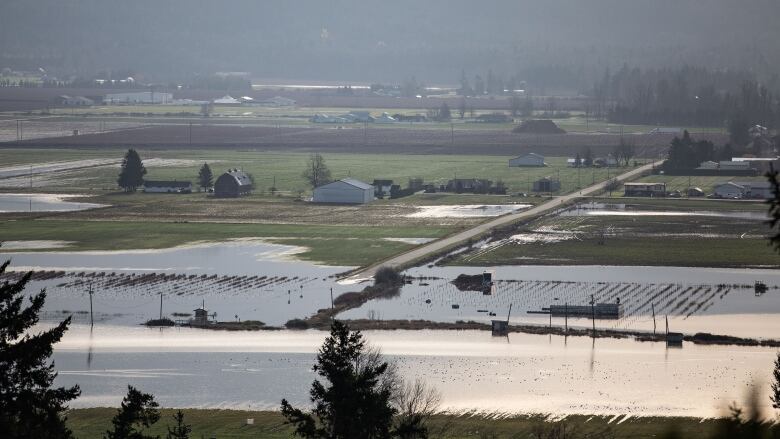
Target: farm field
284,169
332,245
457,139
641,234
232,424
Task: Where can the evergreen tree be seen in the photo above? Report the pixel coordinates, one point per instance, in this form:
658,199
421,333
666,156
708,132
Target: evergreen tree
316,172
138,411
205,177
29,406
132,174
180,430
354,402
774,208
444,112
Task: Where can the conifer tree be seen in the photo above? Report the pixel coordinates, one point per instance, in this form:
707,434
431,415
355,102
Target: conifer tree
29,406
205,177
138,411
132,174
180,430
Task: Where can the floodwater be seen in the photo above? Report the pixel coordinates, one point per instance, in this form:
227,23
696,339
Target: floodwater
600,209
43,203
239,279
466,211
520,373
718,301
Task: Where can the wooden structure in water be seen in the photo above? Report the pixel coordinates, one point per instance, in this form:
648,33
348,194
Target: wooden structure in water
596,311
501,327
760,288
673,339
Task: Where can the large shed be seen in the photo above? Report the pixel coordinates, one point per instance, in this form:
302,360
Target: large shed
531,159
232,183
344,191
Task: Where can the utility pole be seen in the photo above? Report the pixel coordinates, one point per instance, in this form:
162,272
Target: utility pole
30,176
566,316
653,306
331,298
161,297
593,313
190,134
91,316
452,133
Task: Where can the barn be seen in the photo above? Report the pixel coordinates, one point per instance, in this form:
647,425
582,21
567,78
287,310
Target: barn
344,191
530,159
232,183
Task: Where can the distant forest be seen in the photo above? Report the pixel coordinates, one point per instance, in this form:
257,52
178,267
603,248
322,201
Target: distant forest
552,46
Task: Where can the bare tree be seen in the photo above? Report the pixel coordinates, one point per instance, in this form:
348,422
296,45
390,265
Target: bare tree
416,404
316,172
774,207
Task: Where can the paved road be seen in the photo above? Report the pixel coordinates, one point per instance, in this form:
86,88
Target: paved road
478,230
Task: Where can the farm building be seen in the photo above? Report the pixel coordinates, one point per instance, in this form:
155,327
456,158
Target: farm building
139,97
530,159
547,184
227,100
728,165
73,101
645,190
167,187
278,101
344,191
694,192
708,165
474,185
729,190
385,118
761,190
232,183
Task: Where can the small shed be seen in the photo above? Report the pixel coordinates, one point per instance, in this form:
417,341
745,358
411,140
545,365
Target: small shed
201,317
232,183
382,187
531,159
344,191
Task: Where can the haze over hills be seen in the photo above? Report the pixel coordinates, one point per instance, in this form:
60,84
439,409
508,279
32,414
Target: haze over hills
556,43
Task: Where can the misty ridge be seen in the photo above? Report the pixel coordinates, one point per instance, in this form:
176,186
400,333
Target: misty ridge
557,45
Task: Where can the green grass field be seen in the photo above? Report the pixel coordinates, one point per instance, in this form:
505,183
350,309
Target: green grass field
285,169
332,245
231,424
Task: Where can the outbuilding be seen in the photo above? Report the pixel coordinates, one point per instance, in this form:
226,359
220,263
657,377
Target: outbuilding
547,184
344,191
644,189
232,183
167,187
531,159
729,190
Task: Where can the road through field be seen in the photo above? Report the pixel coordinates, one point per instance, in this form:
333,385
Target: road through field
46,168
476,231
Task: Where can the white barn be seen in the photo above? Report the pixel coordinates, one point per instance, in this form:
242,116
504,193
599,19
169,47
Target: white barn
530,159
344,191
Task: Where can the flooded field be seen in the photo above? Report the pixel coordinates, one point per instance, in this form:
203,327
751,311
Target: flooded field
600,209
695,299
466,211
472,370
43,203
246,279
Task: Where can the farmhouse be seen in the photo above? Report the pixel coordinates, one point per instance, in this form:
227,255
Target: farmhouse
232,183
167,187
344,191
531,159
547,184
139,97
729,190
645,189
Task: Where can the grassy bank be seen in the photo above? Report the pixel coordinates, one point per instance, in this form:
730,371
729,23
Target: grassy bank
231,424
333,245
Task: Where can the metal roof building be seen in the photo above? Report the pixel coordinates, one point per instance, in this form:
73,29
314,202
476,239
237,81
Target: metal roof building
344,191
232,183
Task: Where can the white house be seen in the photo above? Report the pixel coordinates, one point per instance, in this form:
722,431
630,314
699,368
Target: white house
139,97
729,190
344,191
530,159
227,100
168,187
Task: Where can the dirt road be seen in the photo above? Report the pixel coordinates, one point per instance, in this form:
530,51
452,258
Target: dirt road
477,231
